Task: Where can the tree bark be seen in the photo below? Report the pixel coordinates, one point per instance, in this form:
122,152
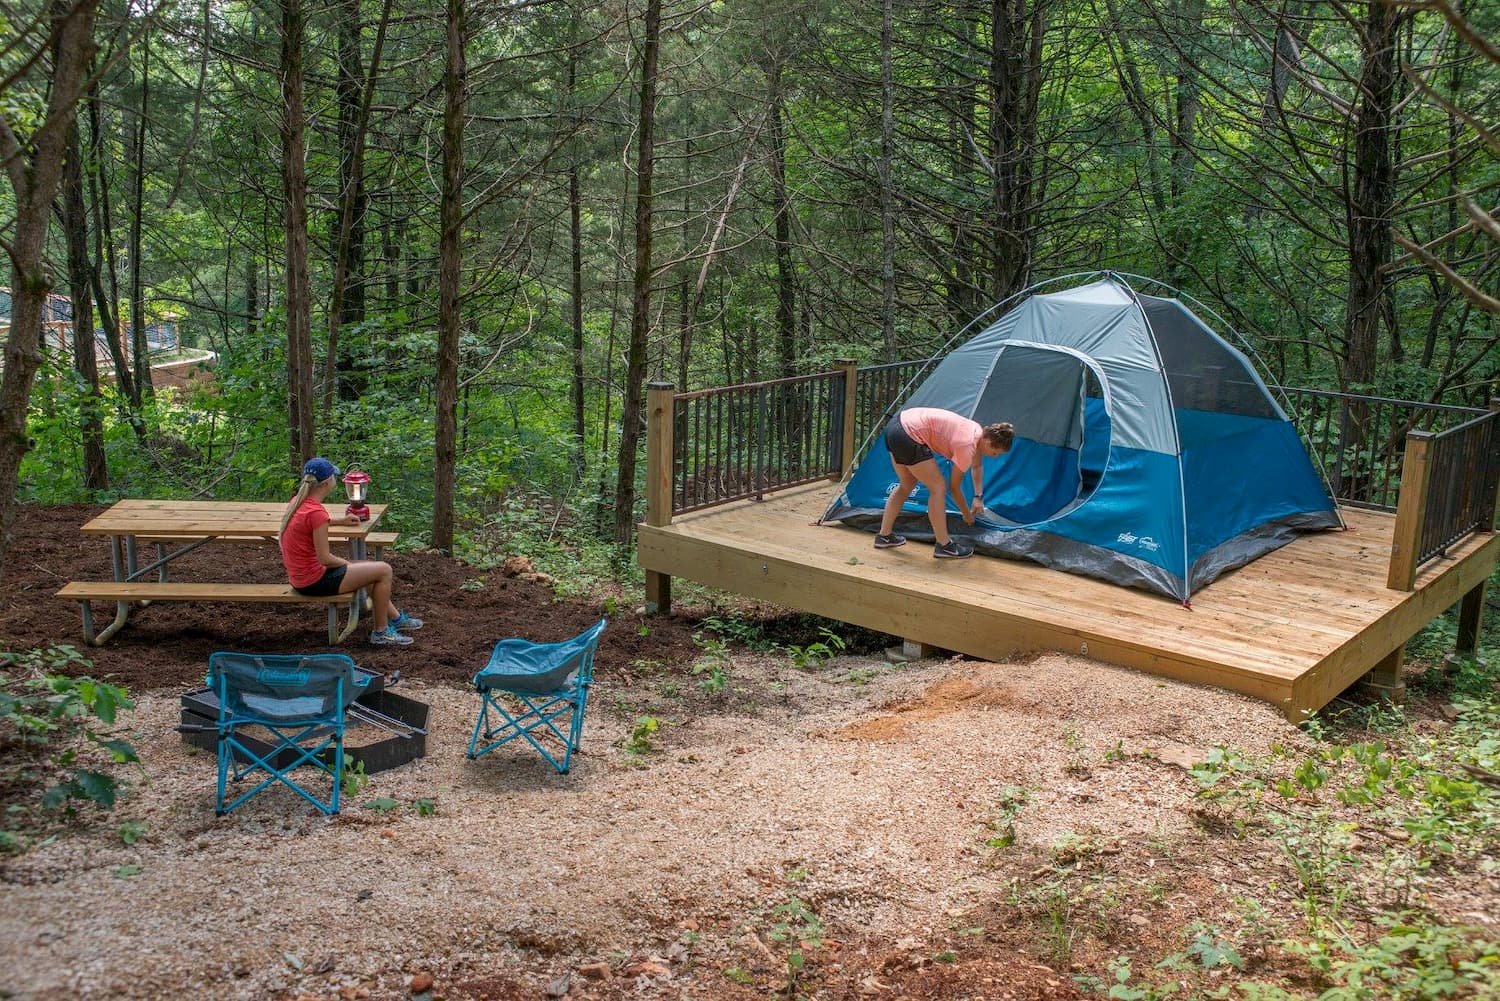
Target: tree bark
1015,88
33,166
1371,196
640,316
140,351
450,250
786,275
887,195
75,222
299,361
106,294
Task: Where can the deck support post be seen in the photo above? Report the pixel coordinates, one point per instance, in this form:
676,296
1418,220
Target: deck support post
1411,511
1470,619
659,462
1384,679
851,376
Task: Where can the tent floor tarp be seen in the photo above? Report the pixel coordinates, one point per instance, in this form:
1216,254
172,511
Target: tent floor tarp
1295,628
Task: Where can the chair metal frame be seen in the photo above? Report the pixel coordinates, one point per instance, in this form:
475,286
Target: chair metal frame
540,710
284,674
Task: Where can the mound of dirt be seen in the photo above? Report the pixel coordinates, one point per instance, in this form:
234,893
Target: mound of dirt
465,611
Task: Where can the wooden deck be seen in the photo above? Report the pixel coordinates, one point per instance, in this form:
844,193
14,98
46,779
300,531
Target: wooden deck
1295,628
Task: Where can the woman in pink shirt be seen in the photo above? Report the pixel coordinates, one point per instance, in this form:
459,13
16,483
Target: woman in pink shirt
311,567
913,437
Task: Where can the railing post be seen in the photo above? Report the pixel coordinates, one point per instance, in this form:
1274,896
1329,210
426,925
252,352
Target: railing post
851,376
659,455
1411,510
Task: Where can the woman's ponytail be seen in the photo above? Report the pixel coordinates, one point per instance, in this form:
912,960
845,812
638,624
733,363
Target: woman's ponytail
308,482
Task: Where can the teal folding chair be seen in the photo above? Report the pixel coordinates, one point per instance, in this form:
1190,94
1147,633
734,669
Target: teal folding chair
300,701
536,690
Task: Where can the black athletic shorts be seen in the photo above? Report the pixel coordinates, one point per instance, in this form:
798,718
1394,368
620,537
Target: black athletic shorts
328,584
905,449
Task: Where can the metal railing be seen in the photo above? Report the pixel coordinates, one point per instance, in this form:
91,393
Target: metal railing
1360,441
1462,466
742,441
738,442
880,391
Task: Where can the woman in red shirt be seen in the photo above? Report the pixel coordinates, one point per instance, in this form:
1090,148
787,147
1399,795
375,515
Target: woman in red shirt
311,567
913,437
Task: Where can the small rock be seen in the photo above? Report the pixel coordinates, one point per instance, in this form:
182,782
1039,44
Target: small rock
594,971
420,983
559,987
677,953
646,968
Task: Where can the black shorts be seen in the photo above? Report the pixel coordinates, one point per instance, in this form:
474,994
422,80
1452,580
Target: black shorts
328,584
904,449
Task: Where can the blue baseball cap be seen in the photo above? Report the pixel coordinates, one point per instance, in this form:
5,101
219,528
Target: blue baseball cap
319,469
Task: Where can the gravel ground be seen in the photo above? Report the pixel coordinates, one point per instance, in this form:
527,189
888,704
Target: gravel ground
869,803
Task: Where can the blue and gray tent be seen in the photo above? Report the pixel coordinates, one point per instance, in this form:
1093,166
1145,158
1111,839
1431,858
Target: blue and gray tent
1148,451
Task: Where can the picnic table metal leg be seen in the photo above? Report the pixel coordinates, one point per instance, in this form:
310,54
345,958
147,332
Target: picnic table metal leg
120,561
335,637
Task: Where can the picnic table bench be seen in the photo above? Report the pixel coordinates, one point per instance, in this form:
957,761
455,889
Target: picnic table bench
190,525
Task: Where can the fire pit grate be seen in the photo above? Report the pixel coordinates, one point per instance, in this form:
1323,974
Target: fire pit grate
383,730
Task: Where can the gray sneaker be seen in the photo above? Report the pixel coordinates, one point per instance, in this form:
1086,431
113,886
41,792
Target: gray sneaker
890,541
953,550
389,637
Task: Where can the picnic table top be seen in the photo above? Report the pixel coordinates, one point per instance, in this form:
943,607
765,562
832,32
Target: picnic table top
210,519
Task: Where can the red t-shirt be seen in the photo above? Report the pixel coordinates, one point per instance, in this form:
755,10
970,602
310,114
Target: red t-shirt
298,554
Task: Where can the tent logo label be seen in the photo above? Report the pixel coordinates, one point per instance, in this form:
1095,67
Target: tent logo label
1131,539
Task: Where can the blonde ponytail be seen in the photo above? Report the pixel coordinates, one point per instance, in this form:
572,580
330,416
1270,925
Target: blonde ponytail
308,482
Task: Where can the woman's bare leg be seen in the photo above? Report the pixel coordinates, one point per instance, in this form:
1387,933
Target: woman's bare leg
375,575
937,498
906,483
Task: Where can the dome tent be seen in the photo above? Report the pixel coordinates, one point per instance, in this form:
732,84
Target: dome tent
1148,452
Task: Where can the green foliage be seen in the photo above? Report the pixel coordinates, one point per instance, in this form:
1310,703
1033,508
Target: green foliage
60,721
1002,826
818,651
383,804
642,737
353,779
713,665
424,807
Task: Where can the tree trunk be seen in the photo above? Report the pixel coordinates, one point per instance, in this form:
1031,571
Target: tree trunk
33,165
786,277
140,352
450,250
299,361
75,222
640,316
1015,88
354,93
1371,197
887,195
106,296
575,267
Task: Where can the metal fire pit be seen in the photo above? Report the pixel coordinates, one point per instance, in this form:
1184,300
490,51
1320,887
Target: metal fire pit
200,713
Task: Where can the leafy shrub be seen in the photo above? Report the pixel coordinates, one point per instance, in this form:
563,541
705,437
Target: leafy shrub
55,720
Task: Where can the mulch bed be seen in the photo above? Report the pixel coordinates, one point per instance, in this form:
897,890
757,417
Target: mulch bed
167,646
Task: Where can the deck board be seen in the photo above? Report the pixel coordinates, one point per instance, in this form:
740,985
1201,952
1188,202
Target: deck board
1295,627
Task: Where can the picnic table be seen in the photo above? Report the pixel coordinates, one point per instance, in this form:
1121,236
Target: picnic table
190,525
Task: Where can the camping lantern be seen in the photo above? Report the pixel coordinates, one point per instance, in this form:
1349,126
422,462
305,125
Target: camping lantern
357,488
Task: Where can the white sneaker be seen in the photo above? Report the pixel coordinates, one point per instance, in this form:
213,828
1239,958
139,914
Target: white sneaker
389,637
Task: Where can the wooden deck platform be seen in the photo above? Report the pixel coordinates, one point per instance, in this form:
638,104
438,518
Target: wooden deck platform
1295,627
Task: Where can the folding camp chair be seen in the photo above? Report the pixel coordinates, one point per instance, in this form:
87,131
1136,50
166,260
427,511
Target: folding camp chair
549,681
299,701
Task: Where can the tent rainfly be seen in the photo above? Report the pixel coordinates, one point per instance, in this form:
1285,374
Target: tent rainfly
1148,452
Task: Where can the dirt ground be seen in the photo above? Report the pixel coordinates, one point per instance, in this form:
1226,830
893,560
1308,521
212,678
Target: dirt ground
854,814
